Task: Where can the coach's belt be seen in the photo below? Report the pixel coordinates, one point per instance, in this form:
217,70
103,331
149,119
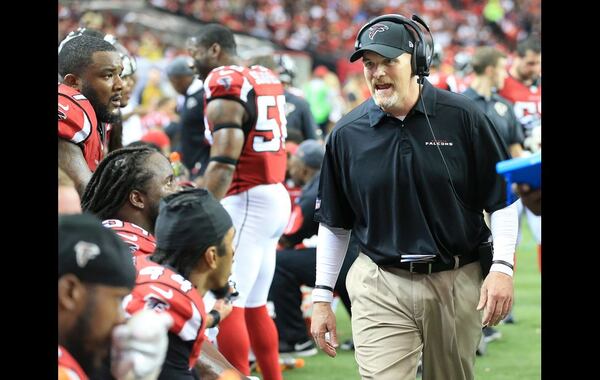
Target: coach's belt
435,266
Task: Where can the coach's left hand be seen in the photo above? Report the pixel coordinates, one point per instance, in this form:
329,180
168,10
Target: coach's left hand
496,297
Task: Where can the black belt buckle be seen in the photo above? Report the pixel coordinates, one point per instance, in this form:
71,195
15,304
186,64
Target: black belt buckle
412,269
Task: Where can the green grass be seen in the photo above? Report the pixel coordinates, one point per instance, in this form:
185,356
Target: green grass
517,355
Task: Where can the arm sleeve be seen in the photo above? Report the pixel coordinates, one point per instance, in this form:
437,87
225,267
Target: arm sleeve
488,150
331,250
332,206
505,228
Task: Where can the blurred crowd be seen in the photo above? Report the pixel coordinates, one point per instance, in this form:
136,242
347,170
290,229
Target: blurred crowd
330,26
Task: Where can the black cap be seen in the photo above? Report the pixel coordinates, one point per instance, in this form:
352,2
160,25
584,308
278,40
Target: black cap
180,65
387,38
311,152
92,252
190,218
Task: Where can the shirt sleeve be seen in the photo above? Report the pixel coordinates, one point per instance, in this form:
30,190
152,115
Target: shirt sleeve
488,150
309,125
516,130
187,319
73,123
228,82
332,207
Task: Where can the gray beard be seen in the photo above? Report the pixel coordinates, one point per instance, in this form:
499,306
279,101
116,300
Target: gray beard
386,102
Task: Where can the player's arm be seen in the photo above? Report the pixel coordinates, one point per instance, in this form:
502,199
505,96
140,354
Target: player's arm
116,137
227,117
212,363
71,160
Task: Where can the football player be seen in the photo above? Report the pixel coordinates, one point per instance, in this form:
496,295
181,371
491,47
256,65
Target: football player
87,97
246,125
194,237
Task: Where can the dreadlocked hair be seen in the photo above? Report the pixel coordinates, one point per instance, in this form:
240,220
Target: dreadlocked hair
119,173
185,259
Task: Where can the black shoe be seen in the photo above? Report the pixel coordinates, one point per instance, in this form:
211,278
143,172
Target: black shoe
306,348
482,347
509,319
490,334
347,345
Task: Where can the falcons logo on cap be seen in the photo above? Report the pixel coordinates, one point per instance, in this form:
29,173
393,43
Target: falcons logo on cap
377,28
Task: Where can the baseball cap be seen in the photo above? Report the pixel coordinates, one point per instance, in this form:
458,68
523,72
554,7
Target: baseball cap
320,71
311,152
190,218
157,137
180,65
92,252
387,38
291,147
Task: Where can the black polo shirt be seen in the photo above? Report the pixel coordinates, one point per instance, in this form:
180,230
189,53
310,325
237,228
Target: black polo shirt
501,113
385,179
195,149
301,124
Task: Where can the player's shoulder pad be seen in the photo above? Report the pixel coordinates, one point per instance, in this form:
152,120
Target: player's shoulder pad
161,296
228,81
76,116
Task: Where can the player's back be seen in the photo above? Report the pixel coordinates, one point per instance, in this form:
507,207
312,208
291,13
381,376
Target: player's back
161,289
139,241
259,91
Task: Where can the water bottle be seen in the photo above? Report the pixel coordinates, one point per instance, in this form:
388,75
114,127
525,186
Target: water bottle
286,363
178,168
290,363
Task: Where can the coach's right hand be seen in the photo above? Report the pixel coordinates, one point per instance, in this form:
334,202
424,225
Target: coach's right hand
322,322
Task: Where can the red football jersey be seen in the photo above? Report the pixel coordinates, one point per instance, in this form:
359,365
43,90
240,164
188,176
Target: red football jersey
263,158
77,123
68,368
140,241
527,102
439,80
162,290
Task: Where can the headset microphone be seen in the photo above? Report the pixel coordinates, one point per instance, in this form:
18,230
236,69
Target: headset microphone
420,80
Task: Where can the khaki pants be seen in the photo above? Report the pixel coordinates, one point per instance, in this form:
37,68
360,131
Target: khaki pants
397,315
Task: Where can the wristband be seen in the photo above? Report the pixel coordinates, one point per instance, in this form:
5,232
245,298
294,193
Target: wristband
224,160
503,263
216,317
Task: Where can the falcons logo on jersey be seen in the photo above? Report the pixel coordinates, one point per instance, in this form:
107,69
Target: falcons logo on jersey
225,82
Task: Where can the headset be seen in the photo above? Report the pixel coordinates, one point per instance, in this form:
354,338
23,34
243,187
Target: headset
421,60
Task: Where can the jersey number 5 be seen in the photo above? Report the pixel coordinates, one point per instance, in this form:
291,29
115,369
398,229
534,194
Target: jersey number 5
266,124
